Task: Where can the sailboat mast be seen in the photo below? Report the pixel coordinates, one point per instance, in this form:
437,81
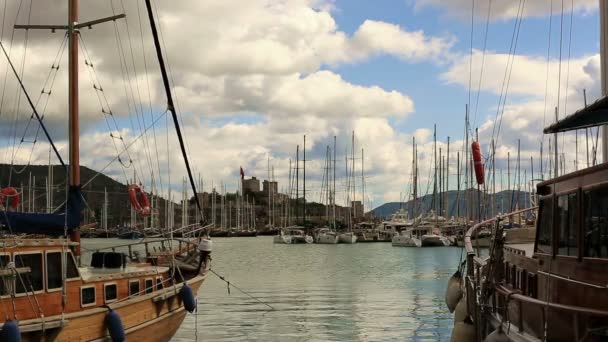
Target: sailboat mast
304,180
334,186
604,69
74,175
362,183
414,178
435,204
170,105
447,180
297,181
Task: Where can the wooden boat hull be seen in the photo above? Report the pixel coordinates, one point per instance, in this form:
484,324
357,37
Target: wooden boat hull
152,317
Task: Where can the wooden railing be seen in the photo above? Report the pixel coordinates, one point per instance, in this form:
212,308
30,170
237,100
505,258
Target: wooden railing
473,278
184,245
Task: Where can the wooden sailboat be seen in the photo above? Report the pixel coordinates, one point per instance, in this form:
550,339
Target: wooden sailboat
140,295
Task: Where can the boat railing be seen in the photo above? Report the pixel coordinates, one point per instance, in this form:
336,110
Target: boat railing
154,247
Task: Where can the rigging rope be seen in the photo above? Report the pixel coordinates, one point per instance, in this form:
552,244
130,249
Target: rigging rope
483,59
228,284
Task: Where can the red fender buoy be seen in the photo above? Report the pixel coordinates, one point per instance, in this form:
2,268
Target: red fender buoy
13,196
478,164
143,207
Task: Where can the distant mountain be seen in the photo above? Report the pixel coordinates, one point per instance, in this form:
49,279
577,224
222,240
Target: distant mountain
503,200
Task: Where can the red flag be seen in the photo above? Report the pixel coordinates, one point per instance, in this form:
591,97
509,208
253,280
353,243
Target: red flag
242,173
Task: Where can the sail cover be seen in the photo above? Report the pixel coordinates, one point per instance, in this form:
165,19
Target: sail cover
595,114
54,224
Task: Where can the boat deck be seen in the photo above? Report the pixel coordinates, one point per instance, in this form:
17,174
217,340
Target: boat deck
90,274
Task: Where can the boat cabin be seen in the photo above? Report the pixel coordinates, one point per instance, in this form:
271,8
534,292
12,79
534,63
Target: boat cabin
572,229
32,277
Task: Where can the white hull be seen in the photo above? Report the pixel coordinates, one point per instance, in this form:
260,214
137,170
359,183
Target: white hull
434,241
349,238
302,239
405,241
329,239
282,239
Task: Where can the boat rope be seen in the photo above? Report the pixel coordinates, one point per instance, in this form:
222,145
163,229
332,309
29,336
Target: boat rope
196,323
483,59
508,71
228,284
100,172
17,99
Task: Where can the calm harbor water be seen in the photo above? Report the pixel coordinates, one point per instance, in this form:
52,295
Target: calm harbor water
362,292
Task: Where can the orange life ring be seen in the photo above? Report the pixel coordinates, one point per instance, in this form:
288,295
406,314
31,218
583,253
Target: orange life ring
478,164
13,196
143,207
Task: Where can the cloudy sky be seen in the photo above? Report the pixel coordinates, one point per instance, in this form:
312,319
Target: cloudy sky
252,77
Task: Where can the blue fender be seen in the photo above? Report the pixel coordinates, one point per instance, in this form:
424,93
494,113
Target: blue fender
188,298
10,332
115,327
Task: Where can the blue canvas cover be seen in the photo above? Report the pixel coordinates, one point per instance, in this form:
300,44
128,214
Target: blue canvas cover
49,224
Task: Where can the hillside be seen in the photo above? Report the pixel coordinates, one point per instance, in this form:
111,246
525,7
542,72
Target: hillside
502,199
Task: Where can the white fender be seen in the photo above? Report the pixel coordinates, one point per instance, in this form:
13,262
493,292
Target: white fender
462,311
463,332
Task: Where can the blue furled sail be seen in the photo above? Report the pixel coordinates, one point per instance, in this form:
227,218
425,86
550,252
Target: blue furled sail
49,224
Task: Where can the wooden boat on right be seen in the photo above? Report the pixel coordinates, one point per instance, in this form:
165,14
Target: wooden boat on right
554,289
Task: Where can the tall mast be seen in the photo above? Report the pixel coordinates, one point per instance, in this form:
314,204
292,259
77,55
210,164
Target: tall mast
362,183
74,143
435,177
414,178
269,216
458,185
304,181
604,69
352,172
447,180
334,186
297,181
170,105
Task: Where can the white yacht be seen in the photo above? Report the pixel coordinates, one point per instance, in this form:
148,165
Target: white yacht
411,237
327,236
293,235
282,238
347,237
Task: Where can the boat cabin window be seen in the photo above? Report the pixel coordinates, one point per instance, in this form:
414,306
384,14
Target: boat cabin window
545,226
87,296
4,260
72,271
149,285
53,270
110,292
134,288
567,210
595,202
159,283
33,279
